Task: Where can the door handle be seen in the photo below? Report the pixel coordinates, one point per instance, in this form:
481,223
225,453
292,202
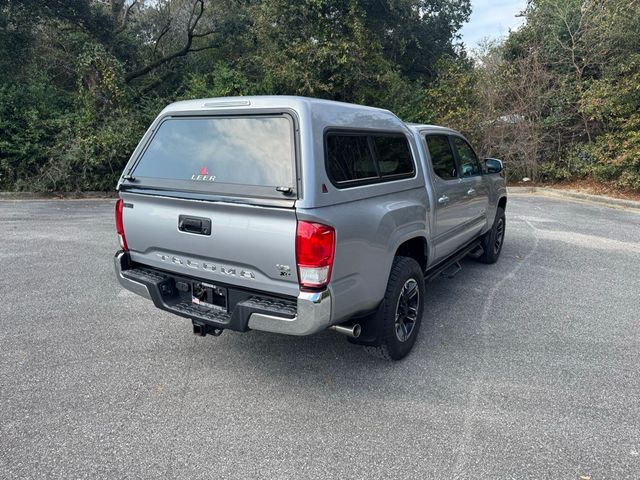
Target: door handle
471,191
443,200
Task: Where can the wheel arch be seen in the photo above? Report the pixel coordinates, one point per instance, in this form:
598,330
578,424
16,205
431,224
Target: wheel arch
415,247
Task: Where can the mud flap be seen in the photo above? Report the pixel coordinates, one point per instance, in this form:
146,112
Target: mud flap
371,328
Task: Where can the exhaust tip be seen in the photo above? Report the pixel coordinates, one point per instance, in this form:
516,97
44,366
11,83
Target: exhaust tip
352,331
357,330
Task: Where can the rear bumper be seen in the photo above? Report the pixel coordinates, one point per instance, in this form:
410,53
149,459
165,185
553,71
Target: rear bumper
310,313
121,262
313,313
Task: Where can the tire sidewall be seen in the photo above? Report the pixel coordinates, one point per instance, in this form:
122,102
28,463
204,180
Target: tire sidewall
494,233
489,255
499,217
403,269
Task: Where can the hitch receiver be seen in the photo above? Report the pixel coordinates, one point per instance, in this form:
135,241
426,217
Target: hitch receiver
201,330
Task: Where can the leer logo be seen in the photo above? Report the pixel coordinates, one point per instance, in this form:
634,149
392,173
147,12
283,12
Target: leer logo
204,176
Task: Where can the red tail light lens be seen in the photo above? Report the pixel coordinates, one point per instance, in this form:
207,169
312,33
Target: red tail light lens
315,247
120,225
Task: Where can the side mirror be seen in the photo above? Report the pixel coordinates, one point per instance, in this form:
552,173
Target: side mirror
493,165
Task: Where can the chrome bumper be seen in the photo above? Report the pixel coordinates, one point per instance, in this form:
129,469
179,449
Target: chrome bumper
313,315
313,308
131,285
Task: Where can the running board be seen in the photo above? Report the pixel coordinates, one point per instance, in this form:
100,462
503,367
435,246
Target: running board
454,259
453,270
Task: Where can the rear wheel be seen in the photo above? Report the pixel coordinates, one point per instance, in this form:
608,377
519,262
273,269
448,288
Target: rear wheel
493,240
402,312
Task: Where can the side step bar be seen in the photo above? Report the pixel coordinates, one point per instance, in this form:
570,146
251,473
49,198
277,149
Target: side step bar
447,263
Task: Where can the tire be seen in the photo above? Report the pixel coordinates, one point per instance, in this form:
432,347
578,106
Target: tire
493,240
398,334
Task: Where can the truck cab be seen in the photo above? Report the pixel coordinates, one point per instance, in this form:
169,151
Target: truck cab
463,194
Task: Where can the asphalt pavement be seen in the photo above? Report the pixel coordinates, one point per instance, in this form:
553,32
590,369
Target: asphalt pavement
527,369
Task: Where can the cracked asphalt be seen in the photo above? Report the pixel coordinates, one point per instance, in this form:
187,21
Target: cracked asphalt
527,369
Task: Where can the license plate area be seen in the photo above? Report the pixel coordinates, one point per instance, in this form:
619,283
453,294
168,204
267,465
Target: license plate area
209,296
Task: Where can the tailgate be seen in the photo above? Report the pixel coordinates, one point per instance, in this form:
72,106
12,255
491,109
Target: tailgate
238,244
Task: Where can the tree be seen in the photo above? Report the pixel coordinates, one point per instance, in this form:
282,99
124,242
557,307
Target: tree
557,100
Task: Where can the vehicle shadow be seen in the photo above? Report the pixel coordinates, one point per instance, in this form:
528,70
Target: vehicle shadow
327,361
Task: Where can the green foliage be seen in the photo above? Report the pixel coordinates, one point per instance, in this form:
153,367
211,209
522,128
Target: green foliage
222,81
100,77
452,99
553,172
94,77
29,123
397,93
90,154
316,48
558,99
579,104
617,159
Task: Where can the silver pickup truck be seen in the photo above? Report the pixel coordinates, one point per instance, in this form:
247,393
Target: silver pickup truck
296,215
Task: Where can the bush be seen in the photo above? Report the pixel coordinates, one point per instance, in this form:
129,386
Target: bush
618,159
30,119
90,155
552,172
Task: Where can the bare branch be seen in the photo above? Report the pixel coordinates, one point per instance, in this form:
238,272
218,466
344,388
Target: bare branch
195,15
165,29
125,17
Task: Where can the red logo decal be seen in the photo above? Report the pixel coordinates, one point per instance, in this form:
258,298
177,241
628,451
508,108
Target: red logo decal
203,171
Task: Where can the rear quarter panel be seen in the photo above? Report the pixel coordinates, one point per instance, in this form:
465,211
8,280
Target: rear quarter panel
368,232
371,221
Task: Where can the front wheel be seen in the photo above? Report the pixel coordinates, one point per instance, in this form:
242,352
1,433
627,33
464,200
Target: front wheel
492,240
402,312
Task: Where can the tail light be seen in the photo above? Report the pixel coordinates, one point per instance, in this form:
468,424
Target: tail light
315,246
120,225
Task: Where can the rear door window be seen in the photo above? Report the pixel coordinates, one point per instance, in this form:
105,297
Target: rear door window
442,159
205,152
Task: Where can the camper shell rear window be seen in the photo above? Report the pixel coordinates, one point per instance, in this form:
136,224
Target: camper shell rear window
248,155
